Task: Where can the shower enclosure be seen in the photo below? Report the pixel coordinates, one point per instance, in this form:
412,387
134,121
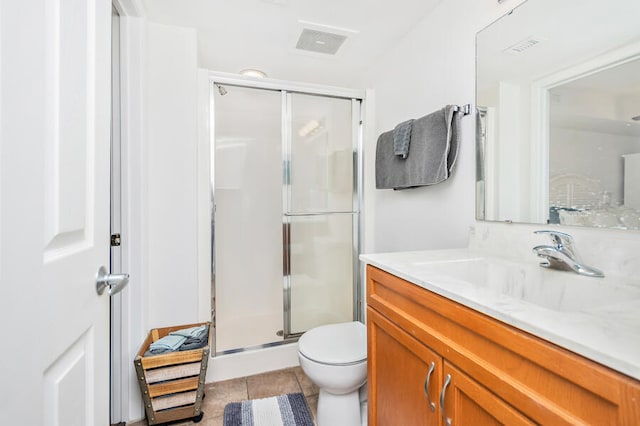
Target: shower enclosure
286,178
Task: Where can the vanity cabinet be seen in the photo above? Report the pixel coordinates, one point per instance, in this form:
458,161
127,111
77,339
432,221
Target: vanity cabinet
406,380
494,373
399,376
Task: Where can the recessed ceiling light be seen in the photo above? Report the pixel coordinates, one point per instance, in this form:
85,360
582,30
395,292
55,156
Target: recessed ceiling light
251,72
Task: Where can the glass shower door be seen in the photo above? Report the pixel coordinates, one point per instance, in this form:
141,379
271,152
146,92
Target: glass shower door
248,217
320,211
286,218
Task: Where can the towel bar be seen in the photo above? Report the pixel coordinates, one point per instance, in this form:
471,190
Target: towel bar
465,109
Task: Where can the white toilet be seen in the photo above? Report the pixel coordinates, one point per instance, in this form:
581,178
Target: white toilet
334,357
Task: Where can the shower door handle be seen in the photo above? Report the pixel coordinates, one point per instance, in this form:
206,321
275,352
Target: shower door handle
286,243
113,283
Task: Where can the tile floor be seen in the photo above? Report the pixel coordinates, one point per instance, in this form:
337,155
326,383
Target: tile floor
264,385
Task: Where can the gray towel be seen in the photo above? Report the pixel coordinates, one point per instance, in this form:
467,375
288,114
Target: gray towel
196,341
434,150
168,343
402,138
190,332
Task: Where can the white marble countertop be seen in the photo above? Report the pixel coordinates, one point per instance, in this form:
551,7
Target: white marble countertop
598,318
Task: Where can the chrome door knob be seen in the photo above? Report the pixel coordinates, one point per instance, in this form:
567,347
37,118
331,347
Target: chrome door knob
113,282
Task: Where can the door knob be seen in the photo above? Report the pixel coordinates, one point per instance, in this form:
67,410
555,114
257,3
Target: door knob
114,283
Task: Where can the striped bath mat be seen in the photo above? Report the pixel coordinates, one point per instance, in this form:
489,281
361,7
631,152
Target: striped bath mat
283,410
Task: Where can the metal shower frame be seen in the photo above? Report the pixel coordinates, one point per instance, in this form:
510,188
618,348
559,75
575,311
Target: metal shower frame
287,88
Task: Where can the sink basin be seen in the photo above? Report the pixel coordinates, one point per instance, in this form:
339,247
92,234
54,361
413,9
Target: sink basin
550,289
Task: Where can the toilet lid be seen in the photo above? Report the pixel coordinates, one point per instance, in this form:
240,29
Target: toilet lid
344,343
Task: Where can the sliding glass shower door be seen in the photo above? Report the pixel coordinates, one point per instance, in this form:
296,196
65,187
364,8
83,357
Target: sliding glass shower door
319,212
286,214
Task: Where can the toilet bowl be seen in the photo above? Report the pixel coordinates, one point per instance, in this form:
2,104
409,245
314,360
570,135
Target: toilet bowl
334,357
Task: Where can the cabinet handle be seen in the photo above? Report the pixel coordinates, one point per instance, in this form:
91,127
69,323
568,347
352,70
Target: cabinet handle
426,386
444,389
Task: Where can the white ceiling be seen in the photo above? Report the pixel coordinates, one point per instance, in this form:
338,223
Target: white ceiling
238,34
621,80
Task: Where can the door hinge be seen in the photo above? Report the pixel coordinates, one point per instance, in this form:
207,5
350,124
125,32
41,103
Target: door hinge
115,240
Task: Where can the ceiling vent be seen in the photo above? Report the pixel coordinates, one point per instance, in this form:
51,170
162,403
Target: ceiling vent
320,41
523,45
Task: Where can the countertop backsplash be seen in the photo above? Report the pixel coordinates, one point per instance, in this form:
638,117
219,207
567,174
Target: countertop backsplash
616,252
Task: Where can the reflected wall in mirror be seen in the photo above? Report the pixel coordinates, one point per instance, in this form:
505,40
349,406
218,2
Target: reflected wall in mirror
558,90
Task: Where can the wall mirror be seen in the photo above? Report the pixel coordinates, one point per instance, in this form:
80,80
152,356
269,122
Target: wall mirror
558,89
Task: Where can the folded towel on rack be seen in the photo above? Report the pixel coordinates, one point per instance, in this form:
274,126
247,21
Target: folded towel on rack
196,341
434,150
190,332
168,343
402,138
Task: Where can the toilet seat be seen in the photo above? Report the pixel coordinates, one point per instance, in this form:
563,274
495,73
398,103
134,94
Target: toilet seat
335,344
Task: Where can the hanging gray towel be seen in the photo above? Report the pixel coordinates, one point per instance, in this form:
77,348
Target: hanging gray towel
434,150
402,138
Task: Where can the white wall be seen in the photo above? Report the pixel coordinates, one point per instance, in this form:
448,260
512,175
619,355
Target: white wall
133,297
432,66
160,158
602,163
574,100
514,159
171,174
509,192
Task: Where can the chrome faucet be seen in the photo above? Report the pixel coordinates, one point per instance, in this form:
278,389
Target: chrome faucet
562,255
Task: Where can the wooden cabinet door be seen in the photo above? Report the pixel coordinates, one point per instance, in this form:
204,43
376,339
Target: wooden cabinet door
399,392
467,403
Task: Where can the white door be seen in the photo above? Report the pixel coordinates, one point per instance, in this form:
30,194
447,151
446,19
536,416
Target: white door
54,211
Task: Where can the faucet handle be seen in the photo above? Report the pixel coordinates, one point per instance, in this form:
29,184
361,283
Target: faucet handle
561,240
558,238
